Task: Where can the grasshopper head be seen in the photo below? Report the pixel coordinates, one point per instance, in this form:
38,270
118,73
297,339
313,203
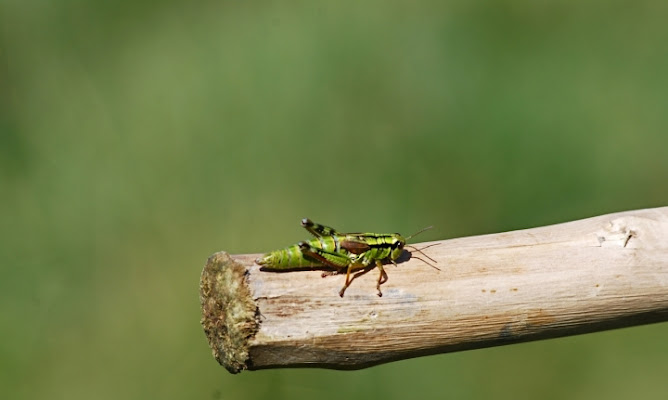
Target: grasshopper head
397,244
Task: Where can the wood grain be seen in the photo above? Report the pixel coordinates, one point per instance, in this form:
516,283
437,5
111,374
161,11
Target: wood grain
594,274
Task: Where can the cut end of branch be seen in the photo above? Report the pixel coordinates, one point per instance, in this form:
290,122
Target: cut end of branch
229,314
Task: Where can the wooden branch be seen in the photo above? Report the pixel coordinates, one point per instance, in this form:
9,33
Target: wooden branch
584,276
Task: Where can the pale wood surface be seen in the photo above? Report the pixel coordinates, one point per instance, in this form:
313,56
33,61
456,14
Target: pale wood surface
593,274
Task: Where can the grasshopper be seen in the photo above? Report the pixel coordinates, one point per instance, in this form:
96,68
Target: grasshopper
342,251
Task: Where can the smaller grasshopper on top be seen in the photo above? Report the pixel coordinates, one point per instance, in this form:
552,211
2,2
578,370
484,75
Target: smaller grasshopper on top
342,251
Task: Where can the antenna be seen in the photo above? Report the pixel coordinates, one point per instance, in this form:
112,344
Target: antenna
424,254
418,232
420,250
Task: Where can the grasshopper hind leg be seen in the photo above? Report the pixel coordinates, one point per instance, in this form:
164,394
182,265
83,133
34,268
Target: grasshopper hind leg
318,230
334,260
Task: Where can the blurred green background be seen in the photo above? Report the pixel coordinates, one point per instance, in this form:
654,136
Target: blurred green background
139,138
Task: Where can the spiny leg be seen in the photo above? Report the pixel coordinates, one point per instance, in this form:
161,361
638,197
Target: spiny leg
318,230
327,258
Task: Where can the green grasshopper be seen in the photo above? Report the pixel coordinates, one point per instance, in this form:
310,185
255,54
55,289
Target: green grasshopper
341,251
